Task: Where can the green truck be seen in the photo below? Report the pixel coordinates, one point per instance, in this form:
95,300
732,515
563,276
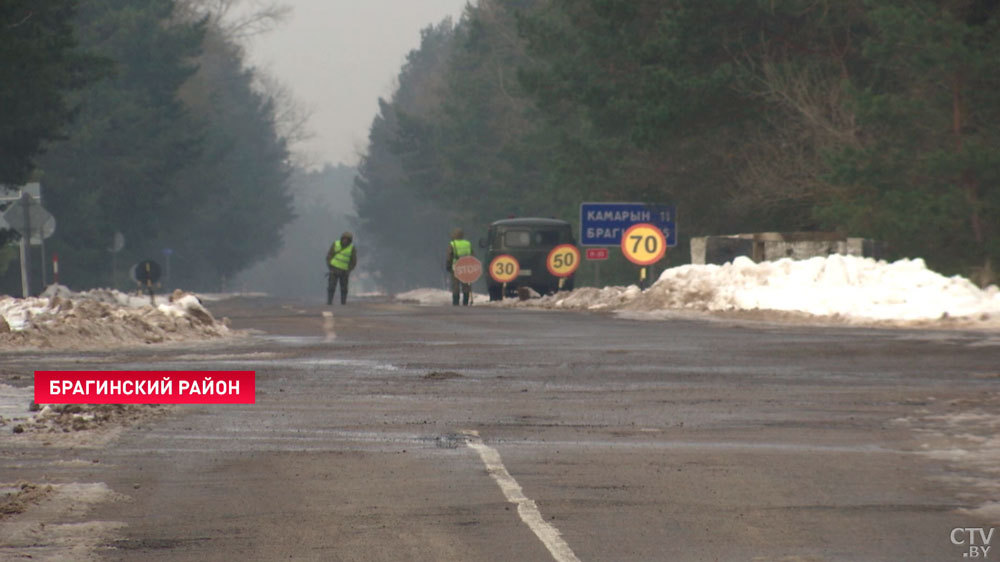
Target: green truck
529,240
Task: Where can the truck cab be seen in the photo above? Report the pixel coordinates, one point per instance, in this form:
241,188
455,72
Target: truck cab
529,240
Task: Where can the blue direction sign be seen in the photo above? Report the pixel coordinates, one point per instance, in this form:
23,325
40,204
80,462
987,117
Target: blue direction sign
603,224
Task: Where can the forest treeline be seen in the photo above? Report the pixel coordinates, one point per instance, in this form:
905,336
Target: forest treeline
878,118
140,117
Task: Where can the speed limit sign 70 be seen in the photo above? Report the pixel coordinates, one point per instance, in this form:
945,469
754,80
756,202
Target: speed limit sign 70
504,268
563,260
644,244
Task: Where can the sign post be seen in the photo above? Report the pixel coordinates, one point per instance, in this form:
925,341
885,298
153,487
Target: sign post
44,231
597,255
25,268
27,216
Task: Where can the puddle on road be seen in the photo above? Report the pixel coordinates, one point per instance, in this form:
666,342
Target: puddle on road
315,439
729,446
207,357
14,402
965,438
295,341
333,362
257,363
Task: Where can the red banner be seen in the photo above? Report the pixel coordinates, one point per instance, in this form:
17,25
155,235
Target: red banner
145,387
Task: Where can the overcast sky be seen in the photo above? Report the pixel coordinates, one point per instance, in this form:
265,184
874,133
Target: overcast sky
339,57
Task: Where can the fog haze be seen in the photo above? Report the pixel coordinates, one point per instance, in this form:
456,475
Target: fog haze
338,57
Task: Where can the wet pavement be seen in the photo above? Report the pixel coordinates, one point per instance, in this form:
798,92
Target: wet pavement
376,425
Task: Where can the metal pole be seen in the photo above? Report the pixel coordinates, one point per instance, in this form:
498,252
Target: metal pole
25,242
24,271
41,244
149,284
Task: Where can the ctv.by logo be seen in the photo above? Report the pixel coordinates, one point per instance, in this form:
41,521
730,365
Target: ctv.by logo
976,538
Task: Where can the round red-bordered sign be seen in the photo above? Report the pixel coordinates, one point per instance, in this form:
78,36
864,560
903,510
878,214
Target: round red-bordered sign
468,269
563,260
504,268
644,244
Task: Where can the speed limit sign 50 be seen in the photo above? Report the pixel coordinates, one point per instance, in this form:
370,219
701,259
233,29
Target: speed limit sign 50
563,260
644,244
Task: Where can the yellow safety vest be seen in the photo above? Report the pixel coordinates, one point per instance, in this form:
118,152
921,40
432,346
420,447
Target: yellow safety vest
460,248
341,256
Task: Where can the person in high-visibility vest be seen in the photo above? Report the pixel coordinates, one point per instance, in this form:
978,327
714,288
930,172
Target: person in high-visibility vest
340,259
459,247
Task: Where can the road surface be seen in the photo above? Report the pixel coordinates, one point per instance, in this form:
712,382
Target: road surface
390,431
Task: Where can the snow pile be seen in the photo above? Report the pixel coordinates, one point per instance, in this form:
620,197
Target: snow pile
64,319
835,285
590,298
433,297
844,287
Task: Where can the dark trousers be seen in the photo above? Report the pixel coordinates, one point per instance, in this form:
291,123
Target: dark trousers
465,288
337,276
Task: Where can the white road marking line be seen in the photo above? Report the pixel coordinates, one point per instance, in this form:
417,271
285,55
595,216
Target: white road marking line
526,507
328,325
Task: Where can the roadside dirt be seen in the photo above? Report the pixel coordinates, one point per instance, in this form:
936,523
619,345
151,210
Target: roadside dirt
21,496
66,418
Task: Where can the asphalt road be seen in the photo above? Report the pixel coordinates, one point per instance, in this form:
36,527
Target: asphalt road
396,432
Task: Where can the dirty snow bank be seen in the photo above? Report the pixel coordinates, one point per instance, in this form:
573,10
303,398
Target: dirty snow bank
76,425
101,317
845,287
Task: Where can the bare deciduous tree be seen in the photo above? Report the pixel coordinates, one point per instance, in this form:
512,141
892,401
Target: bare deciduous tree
811,116
291,116
237,20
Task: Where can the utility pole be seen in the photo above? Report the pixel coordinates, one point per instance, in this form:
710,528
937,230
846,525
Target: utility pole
26,246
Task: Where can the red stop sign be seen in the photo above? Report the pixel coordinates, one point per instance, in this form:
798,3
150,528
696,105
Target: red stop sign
468,269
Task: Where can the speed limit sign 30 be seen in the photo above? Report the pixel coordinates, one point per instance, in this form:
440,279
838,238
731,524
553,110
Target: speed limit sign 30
504,268
644,244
